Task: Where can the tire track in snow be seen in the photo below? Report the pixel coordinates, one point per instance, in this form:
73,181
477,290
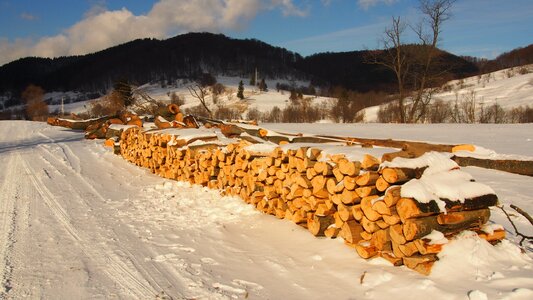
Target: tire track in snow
7,224
160,274
116,269
166,276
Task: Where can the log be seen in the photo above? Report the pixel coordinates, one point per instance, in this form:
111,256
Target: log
399,175
496,236
345,212
350,197
409,208
366,191
366,250
382,208
408,249
381,184
522,167
419,227
366,206
425,248
367,236
368,178
333,186
380,239
370,162
332,232
368,225
396,234
351,231
420,263
392,195
348,168
395,261
459,217
323,168
393,219
357,212
349,183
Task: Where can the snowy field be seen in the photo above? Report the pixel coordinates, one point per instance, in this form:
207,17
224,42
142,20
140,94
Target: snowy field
78,222
509,88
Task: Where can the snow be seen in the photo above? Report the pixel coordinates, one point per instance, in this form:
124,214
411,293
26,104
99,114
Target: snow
434,162
507,88
187,134
453,185
436,238
262,148
509,141
78,222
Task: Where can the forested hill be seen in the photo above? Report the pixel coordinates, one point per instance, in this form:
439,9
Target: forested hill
185,56
150,60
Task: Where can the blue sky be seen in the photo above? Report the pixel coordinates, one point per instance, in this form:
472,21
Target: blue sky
483,28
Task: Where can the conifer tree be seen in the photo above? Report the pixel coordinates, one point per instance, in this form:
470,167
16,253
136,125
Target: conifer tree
240,90
263,86
252,80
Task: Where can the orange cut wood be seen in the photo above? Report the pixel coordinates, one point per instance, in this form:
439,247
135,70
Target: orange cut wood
396,234
398,175
366,250
367,178
366,206
395,261
381,184
349,182
370,162
332,232
392,195
345,212
351,231
357,212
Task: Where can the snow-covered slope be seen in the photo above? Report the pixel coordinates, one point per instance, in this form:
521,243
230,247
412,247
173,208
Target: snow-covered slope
254,99
77,222
508,88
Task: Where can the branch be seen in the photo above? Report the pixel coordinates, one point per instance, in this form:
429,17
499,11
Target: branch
200,95
523,213
524,237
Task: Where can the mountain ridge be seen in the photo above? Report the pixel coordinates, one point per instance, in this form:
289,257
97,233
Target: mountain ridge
188,55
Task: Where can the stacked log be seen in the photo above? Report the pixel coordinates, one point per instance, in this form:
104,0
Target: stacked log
332,196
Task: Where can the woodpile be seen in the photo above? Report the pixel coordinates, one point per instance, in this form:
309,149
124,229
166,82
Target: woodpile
361,201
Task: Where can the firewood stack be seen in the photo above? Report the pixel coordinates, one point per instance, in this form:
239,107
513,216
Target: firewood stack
373,206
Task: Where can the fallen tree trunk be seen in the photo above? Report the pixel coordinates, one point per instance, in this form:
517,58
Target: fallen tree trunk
522,167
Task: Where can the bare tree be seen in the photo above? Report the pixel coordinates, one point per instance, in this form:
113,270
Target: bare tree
412,64
395,58
36,108
435,13
200,92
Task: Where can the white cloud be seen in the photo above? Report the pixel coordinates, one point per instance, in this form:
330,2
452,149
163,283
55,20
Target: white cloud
366,4
102,28
28,16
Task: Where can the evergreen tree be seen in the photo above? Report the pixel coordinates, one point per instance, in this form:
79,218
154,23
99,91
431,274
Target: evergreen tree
252,80
240,90
263,86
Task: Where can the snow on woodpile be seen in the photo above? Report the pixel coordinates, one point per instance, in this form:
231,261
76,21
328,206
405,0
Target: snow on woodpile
405,211
441,179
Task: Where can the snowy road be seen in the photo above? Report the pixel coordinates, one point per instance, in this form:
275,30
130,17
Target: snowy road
77,222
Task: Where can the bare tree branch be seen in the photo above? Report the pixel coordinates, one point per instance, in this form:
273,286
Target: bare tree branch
200,93
523,213
524,237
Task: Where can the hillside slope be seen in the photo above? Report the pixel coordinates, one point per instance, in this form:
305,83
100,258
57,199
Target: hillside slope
509,88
